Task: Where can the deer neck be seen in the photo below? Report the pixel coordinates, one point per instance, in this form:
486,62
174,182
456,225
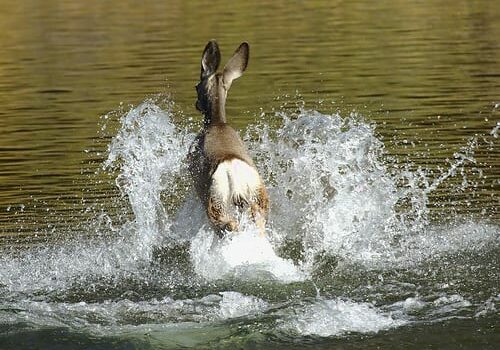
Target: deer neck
217,109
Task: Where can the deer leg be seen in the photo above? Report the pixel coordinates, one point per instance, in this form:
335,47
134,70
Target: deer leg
217,215
260,209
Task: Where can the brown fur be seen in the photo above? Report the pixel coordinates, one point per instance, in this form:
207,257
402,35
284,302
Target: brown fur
218,142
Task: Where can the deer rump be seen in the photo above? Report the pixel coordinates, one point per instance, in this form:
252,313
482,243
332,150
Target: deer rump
234,183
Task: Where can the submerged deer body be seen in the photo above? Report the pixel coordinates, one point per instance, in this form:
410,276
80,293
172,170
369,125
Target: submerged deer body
225,176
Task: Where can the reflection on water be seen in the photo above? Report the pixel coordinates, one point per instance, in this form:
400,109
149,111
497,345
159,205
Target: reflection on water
388,111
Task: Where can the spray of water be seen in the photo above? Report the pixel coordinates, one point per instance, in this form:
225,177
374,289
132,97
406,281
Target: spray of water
333,194
148,154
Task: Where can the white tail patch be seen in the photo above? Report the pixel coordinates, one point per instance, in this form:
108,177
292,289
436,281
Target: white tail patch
235,180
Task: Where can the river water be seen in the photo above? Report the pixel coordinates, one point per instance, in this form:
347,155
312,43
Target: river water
374,124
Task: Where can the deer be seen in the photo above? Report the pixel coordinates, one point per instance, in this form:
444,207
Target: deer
225,177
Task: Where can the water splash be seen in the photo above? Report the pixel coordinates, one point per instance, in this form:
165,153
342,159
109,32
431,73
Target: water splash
334,193
494,131
148,153
330,186
334,190
336,317
244,255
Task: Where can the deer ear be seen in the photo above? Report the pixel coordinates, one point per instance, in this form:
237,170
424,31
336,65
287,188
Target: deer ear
236,64
210,59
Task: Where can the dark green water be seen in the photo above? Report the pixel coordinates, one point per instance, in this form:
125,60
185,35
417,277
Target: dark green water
375,125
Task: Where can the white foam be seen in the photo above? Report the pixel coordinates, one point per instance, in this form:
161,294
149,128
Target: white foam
488,307
82,315
336,317
234,304
494,131
244,254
